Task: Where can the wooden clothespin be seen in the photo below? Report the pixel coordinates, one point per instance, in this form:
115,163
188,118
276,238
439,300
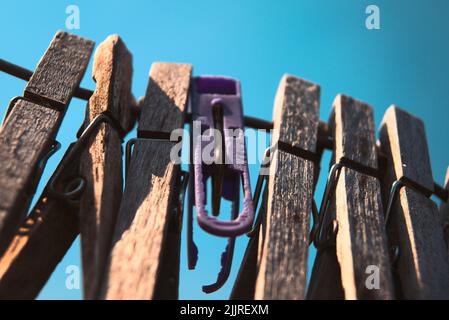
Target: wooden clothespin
283,239
144,261
101,163
26,140
352,215
413,225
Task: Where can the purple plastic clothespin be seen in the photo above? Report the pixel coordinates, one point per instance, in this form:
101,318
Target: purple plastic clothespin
218,153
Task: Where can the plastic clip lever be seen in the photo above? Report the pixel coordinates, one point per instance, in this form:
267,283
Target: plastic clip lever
217,121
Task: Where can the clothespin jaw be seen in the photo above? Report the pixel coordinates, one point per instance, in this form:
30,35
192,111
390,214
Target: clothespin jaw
218,121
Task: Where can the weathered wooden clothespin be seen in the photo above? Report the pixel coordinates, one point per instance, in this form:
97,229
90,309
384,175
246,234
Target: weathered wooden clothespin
283,239
101,163
350,237
144,261
421,261
26,141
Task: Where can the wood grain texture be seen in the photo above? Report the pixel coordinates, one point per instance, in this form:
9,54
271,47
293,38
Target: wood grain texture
101,164
361,238
283,262
423,265
444,214
60,70
30,129
40,244
140,263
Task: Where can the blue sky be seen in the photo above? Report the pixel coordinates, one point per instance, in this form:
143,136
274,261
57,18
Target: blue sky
406,62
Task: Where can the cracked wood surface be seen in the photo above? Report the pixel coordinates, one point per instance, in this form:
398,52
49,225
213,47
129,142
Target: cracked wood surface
423,264
283,257
361,238
31,127
40,243
101,164
144,262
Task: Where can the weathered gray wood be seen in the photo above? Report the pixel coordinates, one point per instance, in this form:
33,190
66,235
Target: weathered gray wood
60,70
40,244
283,261
101,164
444,214
31,128
361,238
141,236
422,265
